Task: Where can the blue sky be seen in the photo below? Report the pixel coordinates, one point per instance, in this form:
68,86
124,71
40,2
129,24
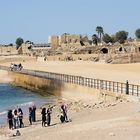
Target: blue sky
35,20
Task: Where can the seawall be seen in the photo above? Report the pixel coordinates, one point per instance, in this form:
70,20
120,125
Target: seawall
61,89
4,77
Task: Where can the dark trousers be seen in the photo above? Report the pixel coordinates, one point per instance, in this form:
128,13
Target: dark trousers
10,124
30,120
43,120
21,123
65,116
43,123
48,119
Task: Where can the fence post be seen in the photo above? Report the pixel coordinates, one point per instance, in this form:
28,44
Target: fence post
121,88
101,85
137,90
127,87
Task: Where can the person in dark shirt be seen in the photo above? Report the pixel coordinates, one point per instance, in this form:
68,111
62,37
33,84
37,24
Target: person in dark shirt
34,113
63,110
49,111
43,113
10,119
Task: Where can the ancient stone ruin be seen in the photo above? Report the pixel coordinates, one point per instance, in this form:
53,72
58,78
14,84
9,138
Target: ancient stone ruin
71,47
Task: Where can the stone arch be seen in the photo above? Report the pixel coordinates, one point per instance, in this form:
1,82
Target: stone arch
89,52
82,43
120,49
139,49
104,50
29,47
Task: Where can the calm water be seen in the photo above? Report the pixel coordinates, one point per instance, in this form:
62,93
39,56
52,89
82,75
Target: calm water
13,97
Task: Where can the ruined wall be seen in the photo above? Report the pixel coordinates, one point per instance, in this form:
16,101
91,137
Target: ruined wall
24,49
54,40
69,39
8,50
64,40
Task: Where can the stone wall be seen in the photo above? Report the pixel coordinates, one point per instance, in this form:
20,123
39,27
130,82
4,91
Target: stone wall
54,40
8,50
24,49
65,39
69,39
62,90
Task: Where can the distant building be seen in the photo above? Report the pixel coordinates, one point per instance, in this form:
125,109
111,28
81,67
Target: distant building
64,40
54,41
41,45
69,39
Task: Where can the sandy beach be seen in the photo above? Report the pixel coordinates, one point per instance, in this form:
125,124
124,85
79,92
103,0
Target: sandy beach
91,118
101,121
113,72
84,54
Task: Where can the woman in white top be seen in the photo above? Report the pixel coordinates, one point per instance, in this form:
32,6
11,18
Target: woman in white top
15,119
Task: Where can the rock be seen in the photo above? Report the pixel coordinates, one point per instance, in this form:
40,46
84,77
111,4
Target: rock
101,102
113,104
89,106
111,134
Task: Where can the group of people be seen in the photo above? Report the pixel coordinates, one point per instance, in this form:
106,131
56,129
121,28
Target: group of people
46,115
32,114
14,67
15,117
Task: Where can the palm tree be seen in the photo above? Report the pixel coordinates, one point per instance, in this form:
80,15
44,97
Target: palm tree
100,32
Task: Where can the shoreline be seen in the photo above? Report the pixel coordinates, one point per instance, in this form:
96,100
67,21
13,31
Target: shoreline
78,113
25,105
92,116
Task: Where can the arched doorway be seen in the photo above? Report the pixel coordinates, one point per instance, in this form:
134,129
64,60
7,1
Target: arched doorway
120,49
139,49
104,50
89,52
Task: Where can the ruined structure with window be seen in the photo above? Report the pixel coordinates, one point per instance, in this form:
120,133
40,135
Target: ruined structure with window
76,47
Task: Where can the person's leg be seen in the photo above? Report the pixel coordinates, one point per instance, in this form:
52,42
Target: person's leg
20,123
48,120
30,120
9,124
42,123
34,117
66,117
15,123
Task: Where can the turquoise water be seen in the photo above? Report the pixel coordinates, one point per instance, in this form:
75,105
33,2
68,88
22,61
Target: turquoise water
12,97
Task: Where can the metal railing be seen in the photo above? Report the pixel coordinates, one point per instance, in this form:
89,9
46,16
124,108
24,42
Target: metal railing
116,87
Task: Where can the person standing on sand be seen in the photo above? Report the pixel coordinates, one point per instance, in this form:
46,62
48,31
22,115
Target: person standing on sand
63,109
20,116
43,113
49,111
16,121
30,115
34,114
10,119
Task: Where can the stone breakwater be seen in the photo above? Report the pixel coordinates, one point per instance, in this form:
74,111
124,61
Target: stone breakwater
58,88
